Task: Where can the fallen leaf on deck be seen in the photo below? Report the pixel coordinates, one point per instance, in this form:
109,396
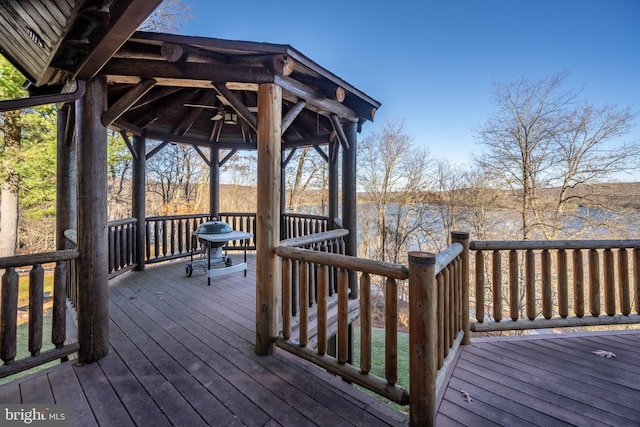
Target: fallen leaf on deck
604,353
467,396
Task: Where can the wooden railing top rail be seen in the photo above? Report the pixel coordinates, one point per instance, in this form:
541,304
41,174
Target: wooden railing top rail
161,217
314,238
347,262
482,245
71,235
444,258
307,216
123,221
41,258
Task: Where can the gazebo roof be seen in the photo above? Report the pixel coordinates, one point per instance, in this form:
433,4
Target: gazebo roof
175,88
178,88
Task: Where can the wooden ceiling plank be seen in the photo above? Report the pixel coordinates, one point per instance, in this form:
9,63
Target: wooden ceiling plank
125,102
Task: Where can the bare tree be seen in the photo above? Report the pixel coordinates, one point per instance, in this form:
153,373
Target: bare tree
170,16
306,174
392,173
541,138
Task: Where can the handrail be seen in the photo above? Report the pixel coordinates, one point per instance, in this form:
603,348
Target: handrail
297,263
488,245
544,287
9,311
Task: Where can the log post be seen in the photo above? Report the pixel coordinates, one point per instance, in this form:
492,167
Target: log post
66,171
214,182
268,216
138,208
463,239
333,183
423,338
349,196
93,315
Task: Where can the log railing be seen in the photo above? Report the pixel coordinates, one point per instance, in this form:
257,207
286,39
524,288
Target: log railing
311,254
169,237
552,284
38,352
439,323
122,245
297,225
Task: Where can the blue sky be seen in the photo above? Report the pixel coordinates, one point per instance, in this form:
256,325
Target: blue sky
432,64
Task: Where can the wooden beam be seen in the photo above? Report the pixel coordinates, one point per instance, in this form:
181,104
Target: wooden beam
125,19
277,64
126,101
268,216
202,155
159,147
132,149
337,127
215,72
315,98
286,161
321,152
237,105
228,156
291,115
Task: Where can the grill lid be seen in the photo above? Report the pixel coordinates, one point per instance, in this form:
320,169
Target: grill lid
214,227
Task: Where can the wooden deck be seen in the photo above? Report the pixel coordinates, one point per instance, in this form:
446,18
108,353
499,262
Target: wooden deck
546,381
183,354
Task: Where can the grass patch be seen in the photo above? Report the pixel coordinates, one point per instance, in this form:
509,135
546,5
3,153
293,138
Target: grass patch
378,360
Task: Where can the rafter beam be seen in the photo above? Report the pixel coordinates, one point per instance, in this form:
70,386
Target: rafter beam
337,127
126,101
237,105
291,115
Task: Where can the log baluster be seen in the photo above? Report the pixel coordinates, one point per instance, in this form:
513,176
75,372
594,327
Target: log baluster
514,297
547,304
530,283
479,286
365,323
36,303
594,282
609,282
391,331
497,285
563,284
578,283
623,275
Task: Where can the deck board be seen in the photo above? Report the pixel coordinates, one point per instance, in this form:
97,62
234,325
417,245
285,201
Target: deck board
551,380
182,353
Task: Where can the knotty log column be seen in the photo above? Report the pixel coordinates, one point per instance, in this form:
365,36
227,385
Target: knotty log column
138,208
93,315
66,171
349,200
268,216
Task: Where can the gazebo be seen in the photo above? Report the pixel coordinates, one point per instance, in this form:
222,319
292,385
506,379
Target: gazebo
208,93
